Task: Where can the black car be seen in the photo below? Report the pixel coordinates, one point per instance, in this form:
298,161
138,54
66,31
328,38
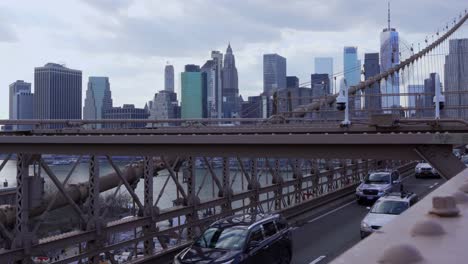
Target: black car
242,239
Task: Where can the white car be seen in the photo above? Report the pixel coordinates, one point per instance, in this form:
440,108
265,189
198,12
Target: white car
385,209
424,169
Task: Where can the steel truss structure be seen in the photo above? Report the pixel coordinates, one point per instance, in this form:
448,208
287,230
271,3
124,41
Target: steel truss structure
259,172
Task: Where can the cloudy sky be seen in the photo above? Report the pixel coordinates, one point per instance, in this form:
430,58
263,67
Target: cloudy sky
131,41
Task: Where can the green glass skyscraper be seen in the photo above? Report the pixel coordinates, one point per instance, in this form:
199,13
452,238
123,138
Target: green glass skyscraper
193,92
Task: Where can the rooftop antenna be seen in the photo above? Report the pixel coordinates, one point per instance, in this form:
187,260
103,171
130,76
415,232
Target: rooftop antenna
388,15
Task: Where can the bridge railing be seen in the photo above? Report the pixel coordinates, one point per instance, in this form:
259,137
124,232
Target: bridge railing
264,186
432,231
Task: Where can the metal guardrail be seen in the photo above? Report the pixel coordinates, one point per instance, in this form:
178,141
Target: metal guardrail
432,231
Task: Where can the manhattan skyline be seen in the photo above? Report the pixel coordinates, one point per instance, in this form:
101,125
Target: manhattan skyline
130,42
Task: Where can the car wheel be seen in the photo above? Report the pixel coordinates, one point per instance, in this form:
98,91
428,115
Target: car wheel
359,201
285,256
363,235
416,176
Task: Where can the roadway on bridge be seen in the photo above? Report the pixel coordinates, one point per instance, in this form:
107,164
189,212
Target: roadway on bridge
326,236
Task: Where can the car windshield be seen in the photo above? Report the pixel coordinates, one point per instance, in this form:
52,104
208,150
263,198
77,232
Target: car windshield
389,207
223,238
383,178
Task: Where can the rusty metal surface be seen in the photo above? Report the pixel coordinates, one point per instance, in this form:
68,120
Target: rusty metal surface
379,146
74,237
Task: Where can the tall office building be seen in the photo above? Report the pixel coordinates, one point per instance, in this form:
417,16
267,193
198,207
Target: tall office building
320,84
352,74
456,78
57,93
372,99
21,103
169,78
213,70
415,100
325,65
15,88
428,98
164,106
193,92
98,98
230,85
292,82
255,107
274,73
389,57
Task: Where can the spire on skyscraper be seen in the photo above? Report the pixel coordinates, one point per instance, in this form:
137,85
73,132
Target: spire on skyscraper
229,49
388,15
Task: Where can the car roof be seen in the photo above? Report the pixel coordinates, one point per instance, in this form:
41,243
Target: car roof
382,171
396,196
248,220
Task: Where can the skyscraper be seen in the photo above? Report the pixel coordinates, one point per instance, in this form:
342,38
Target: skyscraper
230,85
274,73
15,88
320,84
373,100
169,78
428,98
57,92
24,102
164,106
292,82
213,70
193,94
352,73
455,78
389,57
21,103
415,100
324,65
98,98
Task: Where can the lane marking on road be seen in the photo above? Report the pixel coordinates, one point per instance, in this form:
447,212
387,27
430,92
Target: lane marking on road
331,212
433,185
317,260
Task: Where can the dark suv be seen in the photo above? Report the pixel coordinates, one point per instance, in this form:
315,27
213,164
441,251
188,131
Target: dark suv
242,239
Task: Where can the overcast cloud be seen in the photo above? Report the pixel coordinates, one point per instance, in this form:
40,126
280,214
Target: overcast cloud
130,41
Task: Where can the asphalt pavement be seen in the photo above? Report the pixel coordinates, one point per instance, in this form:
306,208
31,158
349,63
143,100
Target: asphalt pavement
324,237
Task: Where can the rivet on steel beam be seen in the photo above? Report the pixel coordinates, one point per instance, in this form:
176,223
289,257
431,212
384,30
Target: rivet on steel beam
427,228
444,206
464,187
401,254
460,197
